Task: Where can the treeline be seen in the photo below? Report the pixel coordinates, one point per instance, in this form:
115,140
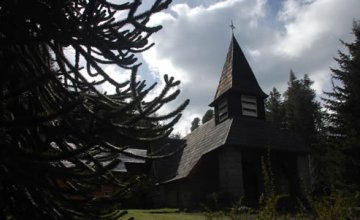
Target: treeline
330,128
209,114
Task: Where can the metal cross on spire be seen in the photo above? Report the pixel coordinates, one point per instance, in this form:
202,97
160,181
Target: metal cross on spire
232,27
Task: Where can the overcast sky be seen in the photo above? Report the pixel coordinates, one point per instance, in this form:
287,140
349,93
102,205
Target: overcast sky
275,35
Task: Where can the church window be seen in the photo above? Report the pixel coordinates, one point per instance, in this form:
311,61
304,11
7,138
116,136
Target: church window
249,106
223,110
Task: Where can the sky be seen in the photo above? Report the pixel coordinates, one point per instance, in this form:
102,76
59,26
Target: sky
276,36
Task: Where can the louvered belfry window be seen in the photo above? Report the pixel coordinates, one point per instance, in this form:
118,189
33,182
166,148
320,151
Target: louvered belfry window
223,110
249,106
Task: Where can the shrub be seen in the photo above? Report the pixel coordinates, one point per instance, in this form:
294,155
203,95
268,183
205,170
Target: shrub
269,200
335,206
239,212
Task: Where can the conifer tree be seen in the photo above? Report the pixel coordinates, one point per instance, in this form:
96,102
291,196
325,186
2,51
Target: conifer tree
303,117
302,111
275,111
195,124
59,135
209,114
344,110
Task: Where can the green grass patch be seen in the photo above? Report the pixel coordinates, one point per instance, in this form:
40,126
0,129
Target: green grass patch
163,214
175,214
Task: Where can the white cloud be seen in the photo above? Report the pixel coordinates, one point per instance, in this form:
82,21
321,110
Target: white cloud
193,43
290,9
313,22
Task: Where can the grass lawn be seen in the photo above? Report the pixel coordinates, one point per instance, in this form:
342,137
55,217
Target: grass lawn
163,214
175,214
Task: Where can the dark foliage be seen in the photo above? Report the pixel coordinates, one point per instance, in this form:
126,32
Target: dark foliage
60,136
275,111
209,114
303,118
302,111
195,124
344,112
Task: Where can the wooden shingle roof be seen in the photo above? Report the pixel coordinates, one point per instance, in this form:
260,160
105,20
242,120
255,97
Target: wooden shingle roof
202,140
239,132
237,74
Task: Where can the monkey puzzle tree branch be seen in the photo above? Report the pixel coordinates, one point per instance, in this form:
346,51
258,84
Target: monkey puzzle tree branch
61,136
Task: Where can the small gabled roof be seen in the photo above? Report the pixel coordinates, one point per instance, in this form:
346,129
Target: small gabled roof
123,158
126,159
237,74
239,132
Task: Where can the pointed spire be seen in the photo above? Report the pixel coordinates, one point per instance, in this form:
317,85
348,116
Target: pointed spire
237,74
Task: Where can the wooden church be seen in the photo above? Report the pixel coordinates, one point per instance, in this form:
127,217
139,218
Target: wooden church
224,155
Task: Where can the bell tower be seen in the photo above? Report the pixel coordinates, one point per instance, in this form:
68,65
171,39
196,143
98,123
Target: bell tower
238,93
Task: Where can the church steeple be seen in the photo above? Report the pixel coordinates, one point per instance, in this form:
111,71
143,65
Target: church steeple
238,92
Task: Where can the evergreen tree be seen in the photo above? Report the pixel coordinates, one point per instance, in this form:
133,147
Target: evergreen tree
59,136
303,117
195,123
344,110
275,111
302,111
209,114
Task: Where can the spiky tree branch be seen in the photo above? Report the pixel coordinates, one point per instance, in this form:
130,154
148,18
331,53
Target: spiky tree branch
60,136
